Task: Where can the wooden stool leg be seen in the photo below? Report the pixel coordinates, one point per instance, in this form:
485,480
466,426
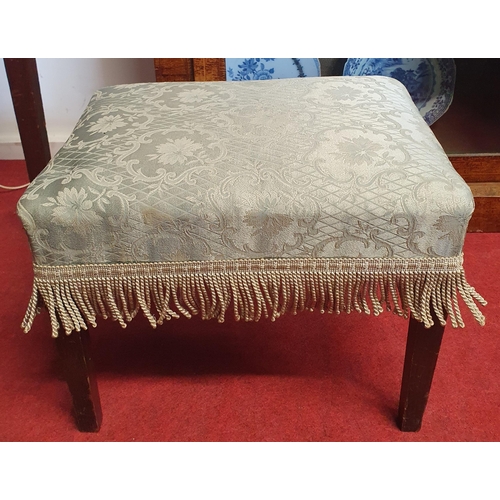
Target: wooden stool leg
77,364
422,351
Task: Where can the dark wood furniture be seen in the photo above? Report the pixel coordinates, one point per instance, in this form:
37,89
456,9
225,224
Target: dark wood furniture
78,370
24,86
190,70
470,133
422,350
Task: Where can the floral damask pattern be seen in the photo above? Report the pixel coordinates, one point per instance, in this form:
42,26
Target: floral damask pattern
176,151
194,95
267,216
305,167
359,150
107,124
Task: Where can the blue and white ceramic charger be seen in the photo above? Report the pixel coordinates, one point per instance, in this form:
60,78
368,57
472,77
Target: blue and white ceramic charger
430,82
270,68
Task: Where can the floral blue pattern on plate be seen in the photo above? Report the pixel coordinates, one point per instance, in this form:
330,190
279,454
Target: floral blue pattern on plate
430,82
270,68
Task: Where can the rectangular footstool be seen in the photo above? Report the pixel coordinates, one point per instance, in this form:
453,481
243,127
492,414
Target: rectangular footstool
252,199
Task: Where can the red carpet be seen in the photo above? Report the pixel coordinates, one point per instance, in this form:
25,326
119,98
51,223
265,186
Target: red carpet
311,377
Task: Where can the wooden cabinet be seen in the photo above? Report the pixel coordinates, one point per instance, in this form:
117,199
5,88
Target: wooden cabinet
189,70
470,134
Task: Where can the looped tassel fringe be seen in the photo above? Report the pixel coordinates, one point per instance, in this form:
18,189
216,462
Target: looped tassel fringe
252,289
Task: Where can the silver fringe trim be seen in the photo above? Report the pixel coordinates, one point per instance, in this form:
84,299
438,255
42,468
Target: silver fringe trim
253,288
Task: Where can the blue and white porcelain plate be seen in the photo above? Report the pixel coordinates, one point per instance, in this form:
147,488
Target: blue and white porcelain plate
270,68
430,82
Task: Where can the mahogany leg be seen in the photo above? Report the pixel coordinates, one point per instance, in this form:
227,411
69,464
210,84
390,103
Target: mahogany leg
22,75
77,365
422,351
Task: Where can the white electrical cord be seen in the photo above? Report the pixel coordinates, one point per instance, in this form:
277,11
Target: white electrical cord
14,187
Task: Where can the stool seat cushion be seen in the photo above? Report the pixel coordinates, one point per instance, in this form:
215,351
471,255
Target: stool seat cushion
320,175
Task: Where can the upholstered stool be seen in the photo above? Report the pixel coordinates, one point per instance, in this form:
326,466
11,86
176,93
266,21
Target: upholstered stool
254,199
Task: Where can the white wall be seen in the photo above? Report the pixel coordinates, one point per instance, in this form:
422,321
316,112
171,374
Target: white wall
66,86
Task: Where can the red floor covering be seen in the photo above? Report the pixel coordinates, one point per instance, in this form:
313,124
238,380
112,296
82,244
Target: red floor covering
311,377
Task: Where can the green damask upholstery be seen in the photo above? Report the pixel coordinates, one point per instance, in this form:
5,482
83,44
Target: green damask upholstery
260,197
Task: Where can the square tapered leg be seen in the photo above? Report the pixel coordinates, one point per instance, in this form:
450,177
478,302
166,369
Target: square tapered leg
422,350
74,351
